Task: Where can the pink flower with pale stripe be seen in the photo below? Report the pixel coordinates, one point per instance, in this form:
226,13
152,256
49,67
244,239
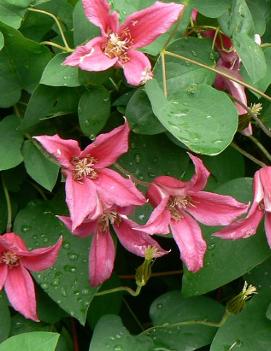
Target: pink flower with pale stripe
261,206
178,207
102,252
15,261
117,46
89,182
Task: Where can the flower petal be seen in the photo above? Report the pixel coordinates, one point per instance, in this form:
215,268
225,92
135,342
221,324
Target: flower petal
146,25
62,149
159,220
137,68
188,237
267,226
81,199
12,242
42,258
108,147
101,257
136,241
98,13
113,189
20,290
200,178
243,228
265,182
90,57
3,274
84,229
215,209
171,186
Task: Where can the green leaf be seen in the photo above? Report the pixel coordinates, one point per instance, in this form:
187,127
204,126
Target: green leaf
211,8
20,325
140,116
5,321
94,110
83,29
251,54
12,12
180,74
171,308
26,57
111,335
248,330
2,41
260,275
261,12
67,282
38,166
57,74
227,260
42,341
11,143
202,118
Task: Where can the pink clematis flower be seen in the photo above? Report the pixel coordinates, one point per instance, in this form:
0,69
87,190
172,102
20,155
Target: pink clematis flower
117,46
15,261
230,63
179,205
102,252
88,182
261,206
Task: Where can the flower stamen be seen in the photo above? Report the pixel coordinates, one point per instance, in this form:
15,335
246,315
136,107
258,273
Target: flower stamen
10,259
117,45
109,218
178,203
83,167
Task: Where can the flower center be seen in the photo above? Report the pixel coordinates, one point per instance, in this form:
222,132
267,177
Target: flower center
9,258
109,218
178,203
117,45
83,167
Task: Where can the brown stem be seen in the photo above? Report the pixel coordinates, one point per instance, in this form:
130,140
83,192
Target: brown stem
248,155
153,275
74,336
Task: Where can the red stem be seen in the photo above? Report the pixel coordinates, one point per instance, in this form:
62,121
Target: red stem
74,336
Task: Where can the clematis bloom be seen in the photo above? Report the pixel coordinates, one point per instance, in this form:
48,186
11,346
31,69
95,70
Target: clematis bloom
88,180
117,46
180,204
15,261
261,206
102,252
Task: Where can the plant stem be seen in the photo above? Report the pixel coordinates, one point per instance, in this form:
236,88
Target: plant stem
57,23
153,275
260,146
9,208
74,335
120,288
132,314
248,155
131,176
192,322
164,73
50,43
218,71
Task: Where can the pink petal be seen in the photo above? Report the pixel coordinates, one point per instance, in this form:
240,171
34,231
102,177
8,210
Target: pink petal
267,226
84,229
155,194
200,178
42,258
136,241
82,200
113,189
148,24
108,147
187,234
171,186
137,68
248,131
20,290
215,209
101,257
90,57
242,228
159,220
265,181
63,150
12,242
98,13
194,14
3,274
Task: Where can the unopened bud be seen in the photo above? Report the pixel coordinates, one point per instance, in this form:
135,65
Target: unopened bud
237,303
143,272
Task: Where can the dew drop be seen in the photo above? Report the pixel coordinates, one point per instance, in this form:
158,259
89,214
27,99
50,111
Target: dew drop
25,228
194,53
159,306
66,245
73,256
118,348
137,158
44,286
85,291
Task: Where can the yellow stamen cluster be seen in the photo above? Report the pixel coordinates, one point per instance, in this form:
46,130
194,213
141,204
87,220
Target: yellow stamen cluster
83,167
10,259
256,109
109,218
236,304
178,203
117,45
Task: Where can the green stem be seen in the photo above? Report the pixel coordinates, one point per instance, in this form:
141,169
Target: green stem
57,23
248,155
192,322
164,73
120,288
218,71
265,45
131,176
260,146
50,43
9,208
